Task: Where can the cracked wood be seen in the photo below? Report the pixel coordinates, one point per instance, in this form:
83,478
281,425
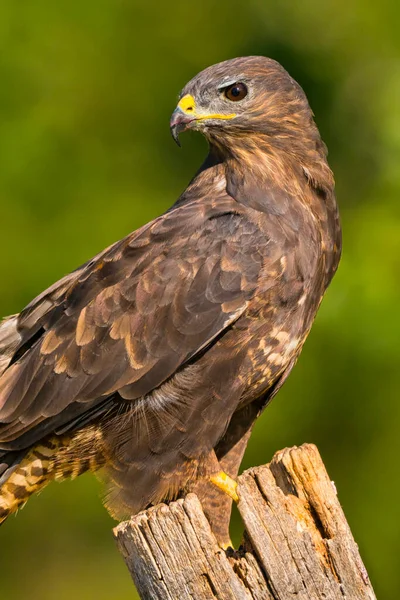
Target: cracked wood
297,543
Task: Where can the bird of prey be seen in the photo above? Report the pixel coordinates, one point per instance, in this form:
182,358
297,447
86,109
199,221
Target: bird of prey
151,362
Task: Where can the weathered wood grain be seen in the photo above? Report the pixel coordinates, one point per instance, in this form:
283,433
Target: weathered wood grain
297,543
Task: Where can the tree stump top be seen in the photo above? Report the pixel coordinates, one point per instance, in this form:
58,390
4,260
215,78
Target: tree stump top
297,543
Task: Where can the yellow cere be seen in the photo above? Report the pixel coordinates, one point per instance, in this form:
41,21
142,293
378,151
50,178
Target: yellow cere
187,104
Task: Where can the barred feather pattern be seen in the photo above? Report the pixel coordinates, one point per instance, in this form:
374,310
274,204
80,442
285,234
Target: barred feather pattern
56,458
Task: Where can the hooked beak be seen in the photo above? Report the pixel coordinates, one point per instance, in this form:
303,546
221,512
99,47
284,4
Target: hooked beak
179,122
186,113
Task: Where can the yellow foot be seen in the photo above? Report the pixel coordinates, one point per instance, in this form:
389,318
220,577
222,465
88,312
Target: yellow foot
227,545
226,484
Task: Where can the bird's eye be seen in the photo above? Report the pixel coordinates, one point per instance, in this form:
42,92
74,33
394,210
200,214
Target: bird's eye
236,92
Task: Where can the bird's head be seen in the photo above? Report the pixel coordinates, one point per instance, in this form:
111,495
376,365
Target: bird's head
251,97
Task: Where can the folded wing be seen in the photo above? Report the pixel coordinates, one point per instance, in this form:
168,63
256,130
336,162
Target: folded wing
122,324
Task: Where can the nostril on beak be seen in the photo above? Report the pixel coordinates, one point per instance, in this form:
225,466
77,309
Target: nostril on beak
187,104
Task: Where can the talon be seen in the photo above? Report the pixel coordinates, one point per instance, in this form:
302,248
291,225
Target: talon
227,545
226,484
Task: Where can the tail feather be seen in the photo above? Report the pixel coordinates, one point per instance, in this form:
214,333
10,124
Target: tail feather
9,461
55,458
23,478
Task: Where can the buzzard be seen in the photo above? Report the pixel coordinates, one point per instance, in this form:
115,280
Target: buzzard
151,362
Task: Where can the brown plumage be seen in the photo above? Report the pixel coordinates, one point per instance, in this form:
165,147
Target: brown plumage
153,360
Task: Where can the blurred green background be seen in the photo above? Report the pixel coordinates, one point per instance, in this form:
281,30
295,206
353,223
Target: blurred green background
86,91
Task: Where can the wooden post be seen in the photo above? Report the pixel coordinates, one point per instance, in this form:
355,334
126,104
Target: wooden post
297,543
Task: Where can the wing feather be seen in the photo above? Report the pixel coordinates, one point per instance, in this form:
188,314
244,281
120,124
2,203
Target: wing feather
129,319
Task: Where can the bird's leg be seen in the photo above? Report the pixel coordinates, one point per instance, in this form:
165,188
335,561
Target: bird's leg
211,492
226,484
225,459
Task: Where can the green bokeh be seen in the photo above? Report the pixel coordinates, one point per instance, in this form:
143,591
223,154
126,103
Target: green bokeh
86,90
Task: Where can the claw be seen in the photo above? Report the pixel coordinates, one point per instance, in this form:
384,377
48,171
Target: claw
227,545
